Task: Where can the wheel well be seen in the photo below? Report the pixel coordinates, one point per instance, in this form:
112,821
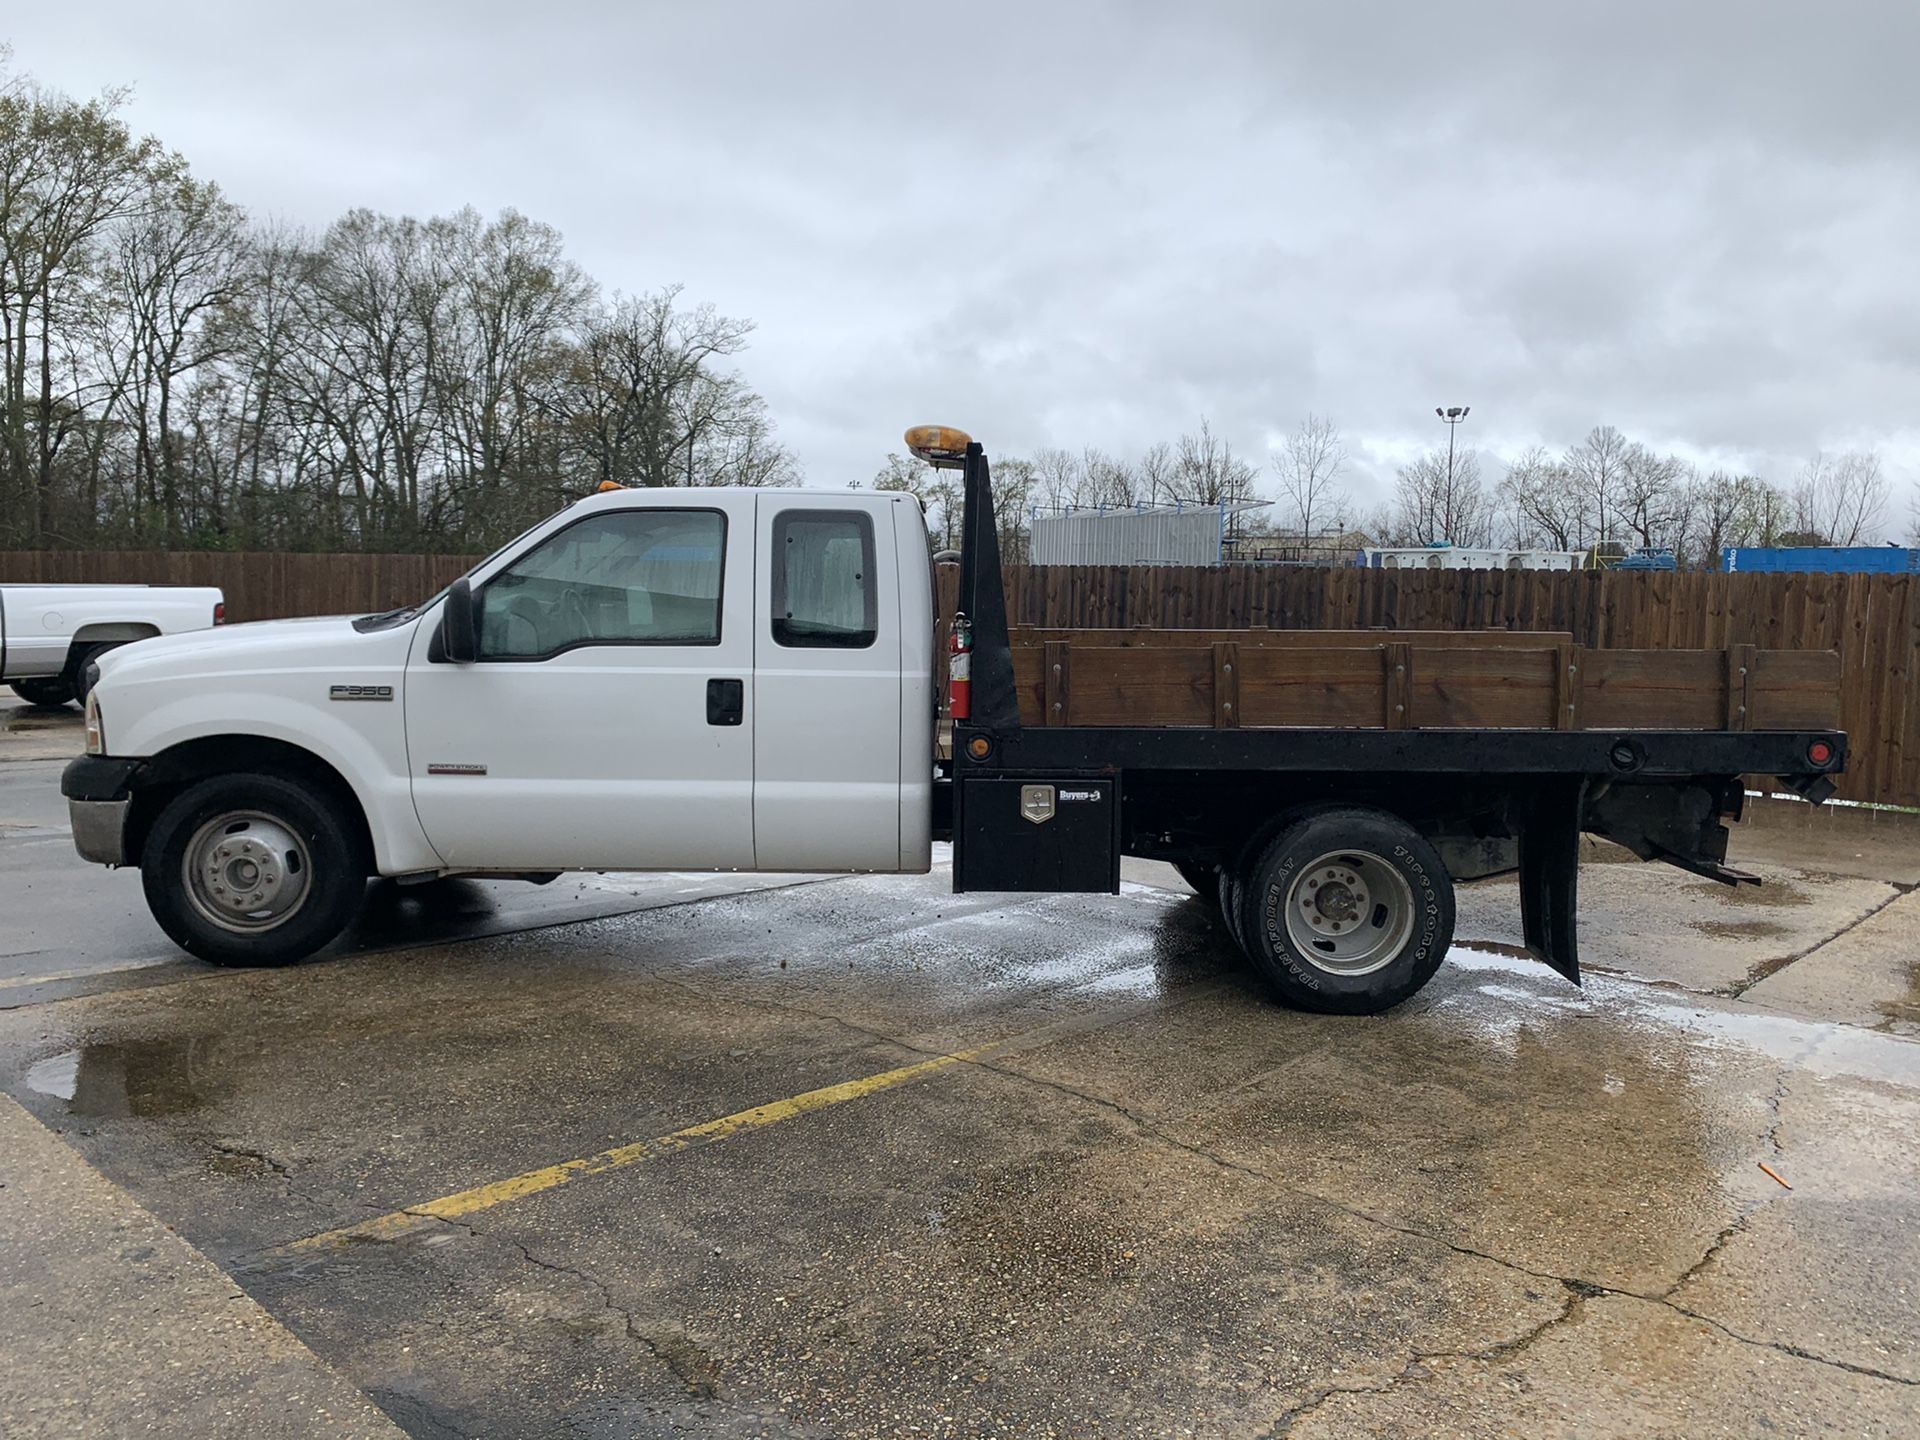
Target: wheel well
1220,818
172,770
107,632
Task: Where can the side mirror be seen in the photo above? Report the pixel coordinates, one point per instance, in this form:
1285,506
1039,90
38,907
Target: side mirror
460,626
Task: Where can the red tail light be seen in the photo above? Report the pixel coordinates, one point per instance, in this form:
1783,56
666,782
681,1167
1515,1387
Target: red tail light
1820,753
219,612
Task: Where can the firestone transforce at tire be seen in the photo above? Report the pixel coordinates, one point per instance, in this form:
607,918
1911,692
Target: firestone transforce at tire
252,870
1347,911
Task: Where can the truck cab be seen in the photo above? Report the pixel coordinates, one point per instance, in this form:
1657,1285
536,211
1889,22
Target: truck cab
710,680
648,680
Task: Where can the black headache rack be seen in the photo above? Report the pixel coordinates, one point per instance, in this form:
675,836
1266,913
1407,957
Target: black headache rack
1040,808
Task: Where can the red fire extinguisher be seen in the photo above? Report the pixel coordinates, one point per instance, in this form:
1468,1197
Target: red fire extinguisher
960,669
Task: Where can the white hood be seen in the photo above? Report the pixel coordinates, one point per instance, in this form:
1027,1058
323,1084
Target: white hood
264,645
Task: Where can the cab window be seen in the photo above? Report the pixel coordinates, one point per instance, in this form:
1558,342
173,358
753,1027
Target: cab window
824,595
629,577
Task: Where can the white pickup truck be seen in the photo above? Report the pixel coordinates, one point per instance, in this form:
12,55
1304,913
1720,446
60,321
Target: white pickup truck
745,680
51,634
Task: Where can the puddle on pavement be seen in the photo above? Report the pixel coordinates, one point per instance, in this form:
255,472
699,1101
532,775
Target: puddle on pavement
1738,929
1770,894
1821,1047
138,1078
1905,1010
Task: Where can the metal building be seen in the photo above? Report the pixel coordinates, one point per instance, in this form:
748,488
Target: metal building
1176,534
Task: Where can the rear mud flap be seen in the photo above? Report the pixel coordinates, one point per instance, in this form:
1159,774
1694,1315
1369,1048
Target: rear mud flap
1550,874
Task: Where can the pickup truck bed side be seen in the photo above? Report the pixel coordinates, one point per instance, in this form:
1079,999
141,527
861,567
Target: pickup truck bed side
48,633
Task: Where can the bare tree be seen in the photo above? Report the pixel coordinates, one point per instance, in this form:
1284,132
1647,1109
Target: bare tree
1597,466
1056,477
1107,482
1207,471
1158,472
937,491
69,172
1842,498
1435,504
514,302
1544,498
1651,498
1308,467
1730,510
176,267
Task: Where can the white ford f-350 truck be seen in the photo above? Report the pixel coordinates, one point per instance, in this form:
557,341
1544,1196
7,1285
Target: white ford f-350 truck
745,680
51,634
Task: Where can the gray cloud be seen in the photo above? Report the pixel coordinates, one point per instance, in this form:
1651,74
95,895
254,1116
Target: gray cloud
1070,224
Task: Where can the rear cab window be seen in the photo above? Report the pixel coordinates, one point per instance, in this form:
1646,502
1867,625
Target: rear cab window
825,596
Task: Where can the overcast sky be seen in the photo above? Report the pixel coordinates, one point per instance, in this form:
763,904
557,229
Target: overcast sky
1061,224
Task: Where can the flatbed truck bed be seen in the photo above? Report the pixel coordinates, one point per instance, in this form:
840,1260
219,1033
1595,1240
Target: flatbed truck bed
1276,769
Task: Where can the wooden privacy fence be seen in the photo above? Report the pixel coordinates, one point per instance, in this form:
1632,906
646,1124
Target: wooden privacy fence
259,585
1871,621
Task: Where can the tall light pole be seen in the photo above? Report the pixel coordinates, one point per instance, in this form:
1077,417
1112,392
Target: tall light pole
1452,415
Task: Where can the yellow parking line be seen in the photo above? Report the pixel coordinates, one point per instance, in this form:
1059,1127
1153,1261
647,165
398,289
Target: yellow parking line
498,1192
21,982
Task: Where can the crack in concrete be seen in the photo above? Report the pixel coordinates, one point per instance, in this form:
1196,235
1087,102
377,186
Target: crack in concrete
1415,1368
701,1386
1147,1127
281,1170
1766,969
1579,1284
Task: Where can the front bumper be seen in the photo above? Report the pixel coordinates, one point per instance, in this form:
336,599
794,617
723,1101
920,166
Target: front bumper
99,791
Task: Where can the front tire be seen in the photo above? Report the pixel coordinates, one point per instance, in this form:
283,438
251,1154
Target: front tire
51,692
1347,912
252,869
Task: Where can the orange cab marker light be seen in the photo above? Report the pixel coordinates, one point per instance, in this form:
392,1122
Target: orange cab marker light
606,485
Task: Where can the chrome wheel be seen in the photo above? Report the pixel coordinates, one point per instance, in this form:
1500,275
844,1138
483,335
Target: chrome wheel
245,871
1349,912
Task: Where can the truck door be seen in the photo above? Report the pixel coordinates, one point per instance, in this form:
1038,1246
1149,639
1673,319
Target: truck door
827,654
608,723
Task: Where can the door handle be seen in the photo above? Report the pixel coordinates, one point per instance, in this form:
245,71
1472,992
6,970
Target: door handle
726,702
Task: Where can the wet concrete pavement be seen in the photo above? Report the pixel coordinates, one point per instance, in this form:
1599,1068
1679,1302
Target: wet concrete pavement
1507,1208
1147,1201
73,929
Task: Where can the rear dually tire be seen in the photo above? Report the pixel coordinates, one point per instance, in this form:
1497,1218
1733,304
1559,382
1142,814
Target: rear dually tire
1347,911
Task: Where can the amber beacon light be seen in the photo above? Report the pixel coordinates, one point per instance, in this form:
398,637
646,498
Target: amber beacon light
941,446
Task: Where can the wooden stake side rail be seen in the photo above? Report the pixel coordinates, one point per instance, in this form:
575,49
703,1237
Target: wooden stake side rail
1413,680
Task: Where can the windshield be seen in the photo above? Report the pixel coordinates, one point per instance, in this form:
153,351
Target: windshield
387,619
